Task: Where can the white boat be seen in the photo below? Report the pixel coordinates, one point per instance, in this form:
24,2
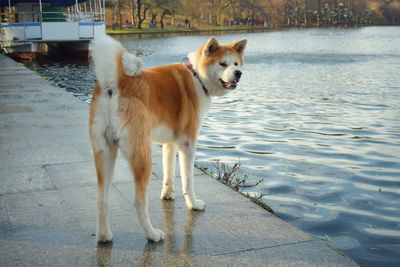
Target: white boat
29,27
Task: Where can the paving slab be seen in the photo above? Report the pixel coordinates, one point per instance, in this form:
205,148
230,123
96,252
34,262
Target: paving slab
48,199
25,179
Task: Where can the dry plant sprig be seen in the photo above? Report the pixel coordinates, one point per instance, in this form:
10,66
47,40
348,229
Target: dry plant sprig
232,177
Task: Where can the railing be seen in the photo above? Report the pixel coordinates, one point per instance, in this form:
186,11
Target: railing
26,17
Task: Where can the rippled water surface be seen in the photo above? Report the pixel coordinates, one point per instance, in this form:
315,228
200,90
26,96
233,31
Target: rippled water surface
317,117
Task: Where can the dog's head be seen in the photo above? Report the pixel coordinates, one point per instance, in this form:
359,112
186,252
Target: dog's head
219,66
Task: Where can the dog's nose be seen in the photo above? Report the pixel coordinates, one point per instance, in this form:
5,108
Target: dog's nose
238,74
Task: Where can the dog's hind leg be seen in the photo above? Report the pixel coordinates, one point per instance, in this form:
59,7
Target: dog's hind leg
169,160
104,161
187,152
138,153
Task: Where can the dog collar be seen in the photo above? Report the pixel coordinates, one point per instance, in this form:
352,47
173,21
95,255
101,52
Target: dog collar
185,61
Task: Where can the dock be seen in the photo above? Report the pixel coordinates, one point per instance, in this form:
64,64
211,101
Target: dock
48,199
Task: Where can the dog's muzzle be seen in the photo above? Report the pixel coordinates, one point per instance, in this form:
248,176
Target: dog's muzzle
233,84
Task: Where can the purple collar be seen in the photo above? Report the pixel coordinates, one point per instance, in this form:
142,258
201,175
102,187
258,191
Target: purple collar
185,61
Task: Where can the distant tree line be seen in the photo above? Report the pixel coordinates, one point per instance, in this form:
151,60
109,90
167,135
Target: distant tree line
342,12
270,13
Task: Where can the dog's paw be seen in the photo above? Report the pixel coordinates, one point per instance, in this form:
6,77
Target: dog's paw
168,194
198,205
156,236
104,237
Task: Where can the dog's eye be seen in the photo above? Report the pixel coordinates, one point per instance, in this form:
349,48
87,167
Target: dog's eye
223,64
236,64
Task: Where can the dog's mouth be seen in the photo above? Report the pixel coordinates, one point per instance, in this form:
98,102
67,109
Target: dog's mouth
229,85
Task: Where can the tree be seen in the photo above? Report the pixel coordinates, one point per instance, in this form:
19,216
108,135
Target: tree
192,10
133,8
167,8
276,12
163,14
234,6
119,2
141,4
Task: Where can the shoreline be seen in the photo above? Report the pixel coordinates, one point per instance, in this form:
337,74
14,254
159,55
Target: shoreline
183,30
216,30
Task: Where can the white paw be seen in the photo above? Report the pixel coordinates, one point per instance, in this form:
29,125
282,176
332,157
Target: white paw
198,205
168,194
156,236
104,237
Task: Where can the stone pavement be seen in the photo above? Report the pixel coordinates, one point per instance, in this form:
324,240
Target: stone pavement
48,199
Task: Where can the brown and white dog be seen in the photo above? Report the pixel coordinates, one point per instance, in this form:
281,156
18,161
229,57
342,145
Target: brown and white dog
131,108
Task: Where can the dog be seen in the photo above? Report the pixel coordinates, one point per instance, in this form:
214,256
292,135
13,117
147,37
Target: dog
132,107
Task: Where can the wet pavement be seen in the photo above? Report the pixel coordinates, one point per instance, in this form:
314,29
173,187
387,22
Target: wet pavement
48,199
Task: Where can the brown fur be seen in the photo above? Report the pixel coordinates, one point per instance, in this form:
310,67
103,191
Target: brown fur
166,95
220,52
162,95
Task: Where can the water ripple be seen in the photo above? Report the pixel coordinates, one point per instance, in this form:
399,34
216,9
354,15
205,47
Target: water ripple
317,117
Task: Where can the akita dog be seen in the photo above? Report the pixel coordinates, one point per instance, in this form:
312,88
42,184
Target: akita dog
132,107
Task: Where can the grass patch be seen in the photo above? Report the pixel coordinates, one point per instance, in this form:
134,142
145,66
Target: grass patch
148,31
181,30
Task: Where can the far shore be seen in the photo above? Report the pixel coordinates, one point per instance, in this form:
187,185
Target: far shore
217,30
149,32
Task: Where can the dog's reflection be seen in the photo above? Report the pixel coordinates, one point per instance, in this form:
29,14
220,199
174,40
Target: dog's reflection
173,247
103,252
175,250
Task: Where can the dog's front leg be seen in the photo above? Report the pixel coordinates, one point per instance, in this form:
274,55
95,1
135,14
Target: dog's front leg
187,152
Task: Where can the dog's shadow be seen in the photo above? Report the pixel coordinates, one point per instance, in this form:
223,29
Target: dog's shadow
175,247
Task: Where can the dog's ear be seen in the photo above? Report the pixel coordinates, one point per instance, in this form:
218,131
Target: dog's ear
240,46
211,46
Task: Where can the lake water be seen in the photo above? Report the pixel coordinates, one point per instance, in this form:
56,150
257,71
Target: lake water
317,117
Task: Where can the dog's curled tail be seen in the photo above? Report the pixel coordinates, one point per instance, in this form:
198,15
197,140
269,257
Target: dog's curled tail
108,54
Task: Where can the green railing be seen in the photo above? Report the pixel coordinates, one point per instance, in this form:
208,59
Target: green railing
52,15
